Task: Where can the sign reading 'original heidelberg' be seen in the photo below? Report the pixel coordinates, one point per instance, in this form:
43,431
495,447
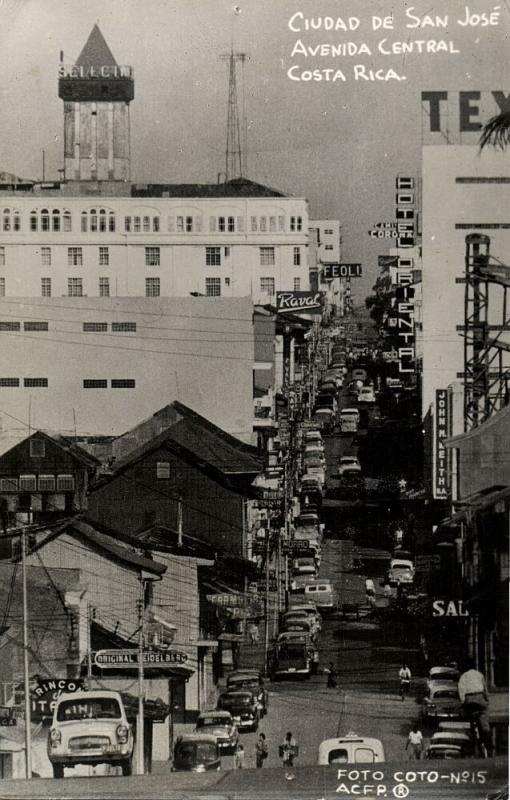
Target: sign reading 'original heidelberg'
298,301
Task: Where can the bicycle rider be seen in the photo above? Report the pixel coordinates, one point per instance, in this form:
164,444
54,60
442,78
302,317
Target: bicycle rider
475,700
404,675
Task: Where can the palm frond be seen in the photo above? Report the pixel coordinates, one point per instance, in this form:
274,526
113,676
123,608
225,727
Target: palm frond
496,132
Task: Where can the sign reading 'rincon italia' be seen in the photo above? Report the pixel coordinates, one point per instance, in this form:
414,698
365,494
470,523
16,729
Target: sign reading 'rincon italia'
298,301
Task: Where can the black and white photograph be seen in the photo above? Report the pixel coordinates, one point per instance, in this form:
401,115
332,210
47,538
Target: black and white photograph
254,399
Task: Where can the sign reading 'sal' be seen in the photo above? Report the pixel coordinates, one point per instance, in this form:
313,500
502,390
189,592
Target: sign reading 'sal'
298,301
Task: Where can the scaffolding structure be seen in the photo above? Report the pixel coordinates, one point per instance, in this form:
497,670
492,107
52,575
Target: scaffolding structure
486,378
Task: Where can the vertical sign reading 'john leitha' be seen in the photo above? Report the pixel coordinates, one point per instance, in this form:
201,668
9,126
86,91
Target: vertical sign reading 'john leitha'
443,431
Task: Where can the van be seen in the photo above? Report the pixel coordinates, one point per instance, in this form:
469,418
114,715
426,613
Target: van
322,594
349,420
351,749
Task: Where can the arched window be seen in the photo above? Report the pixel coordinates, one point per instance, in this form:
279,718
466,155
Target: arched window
111,221
67,220
84,222
55,220
33,220
98,220
93,220
16,221
45,219
102,220
6,219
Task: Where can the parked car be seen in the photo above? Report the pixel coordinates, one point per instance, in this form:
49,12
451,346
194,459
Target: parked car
295,637
348,463
310,609
304,566
443,673
359,374
447,739
196,752
221,725
366,395
349,420
322,594
401,571
441,701
90,728
250,680
243,706
351,749
294,614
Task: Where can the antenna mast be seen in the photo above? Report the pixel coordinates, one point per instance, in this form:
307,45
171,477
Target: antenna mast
235,155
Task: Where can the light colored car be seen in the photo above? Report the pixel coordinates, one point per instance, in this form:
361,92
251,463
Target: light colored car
90,728
317,472
351,749
322,594
443,674
348,463
304,566
366,395
310,609
359,374
221,725
442,701
401,571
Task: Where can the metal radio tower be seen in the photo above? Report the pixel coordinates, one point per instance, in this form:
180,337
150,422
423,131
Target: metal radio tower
235,156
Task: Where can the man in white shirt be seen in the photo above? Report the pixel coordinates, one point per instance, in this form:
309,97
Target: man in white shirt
404,674
475,699
415,742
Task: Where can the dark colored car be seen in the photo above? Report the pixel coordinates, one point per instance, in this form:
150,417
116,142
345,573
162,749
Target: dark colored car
243,706
253,682
196,752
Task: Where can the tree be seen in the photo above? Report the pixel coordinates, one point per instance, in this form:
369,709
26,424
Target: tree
496,132
380,302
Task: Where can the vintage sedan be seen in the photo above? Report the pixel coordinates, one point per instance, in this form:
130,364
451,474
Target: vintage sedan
250,680
244,708
441,701
221,725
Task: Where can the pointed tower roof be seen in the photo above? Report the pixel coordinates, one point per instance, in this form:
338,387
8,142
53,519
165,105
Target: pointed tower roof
96,52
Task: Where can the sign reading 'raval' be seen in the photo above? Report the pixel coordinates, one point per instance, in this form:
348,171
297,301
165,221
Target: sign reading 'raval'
298,301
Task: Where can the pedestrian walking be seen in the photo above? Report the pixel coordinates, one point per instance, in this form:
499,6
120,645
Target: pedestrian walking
254,633
288,750
415,743
261,750
404,675
332,676
369,586
387,590
239,757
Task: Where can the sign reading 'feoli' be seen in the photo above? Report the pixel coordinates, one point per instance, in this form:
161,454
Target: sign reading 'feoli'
298,301
342,271
122,659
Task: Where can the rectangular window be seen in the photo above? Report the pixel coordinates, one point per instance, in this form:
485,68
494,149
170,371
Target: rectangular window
226,251
296,223
180,224
10,326
45,287
2,287
213,287
127,224
104,257
123,383
93,223
46,483
155,224
272,224
227,281
35,326
136,224
9,382
95,327
65,483
8,484
75,287
152,287
221,224
213,256
406,263
146,224
46,256
104,287
111,223
162,470
328,247
266,256
27,483
123,327
231,224
35,383
37,448
403,198
74,256
254,224
152,257
297,284
84,223
67,222
33,222
95,383
2,256
328,232
263,224
189,224
267,285
297,256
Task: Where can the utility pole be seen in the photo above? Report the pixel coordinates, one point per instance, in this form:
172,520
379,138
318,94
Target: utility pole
141,687
89,643
26,677
266,605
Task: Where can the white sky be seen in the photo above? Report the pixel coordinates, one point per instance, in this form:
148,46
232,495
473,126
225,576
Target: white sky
339,144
